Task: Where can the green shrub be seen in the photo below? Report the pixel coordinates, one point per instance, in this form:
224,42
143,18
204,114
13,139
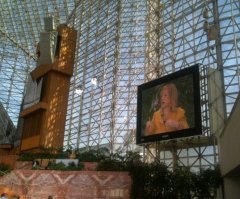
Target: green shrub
149,181
4,169
110,165
140,174
206,182
27,156
56,166
92,155
156,181
73,167
62,167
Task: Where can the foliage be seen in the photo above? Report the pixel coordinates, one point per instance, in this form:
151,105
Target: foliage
61,166
182,182
118,162
27,156
4,169
92,155
73,167
88,156
153,180
149,180
132,157
110,165
206,182
156,181
57,166
158,184
139,174
44,153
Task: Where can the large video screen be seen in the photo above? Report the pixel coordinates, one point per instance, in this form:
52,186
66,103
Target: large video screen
169,107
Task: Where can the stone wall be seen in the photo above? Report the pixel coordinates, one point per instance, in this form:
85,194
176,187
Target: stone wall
39,184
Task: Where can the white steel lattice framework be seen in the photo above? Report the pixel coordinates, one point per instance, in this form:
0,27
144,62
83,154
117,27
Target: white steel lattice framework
123,44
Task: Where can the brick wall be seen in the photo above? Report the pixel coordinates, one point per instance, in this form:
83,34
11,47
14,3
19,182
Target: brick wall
39,184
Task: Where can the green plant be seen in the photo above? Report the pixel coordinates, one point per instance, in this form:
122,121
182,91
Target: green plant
62,155
182,182
4,169
118,162
61,166
206,182
110,165
57,166
27,156
139,173
149,181
88,156
44,153
92,155
73,167
156,181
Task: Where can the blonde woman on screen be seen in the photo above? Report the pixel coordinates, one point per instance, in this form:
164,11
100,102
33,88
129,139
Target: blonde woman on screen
169,117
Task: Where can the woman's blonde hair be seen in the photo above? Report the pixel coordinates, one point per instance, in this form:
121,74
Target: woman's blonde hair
173,94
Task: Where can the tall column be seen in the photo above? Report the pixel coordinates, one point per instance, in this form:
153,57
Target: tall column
44,121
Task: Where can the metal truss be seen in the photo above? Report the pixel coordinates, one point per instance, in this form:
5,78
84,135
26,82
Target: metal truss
122,44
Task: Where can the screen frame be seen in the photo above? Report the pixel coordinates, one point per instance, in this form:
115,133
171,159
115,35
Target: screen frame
191,131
